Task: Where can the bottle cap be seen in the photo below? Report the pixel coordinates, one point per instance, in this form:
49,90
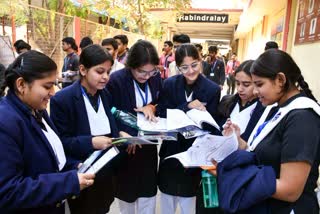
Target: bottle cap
205,173
113,110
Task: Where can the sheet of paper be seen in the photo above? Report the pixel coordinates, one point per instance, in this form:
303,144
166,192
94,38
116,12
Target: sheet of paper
103,160
207,148
177,119
146,125
202,116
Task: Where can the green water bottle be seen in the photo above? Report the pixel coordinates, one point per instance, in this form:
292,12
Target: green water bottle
125,118
210,190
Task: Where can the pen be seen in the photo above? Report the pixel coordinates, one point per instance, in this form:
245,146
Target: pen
119,141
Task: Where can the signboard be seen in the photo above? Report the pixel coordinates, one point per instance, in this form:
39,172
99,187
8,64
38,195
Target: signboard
6,53
308,23
201,17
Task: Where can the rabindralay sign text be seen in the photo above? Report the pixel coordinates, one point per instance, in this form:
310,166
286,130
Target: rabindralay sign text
200,17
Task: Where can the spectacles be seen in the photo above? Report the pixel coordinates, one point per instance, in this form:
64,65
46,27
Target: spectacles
185,68
152,73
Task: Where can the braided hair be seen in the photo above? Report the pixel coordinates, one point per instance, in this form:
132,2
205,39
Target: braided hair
274,61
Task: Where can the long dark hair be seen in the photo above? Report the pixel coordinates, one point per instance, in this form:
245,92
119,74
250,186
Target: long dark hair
274,61
93,55
224,108
142,53
31,65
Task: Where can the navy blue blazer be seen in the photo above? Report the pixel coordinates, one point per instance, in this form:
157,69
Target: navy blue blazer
128,184
69,114
121,87
243,186
173,95
30,181
173,178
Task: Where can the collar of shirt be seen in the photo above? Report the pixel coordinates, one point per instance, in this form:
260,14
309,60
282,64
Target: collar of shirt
93,99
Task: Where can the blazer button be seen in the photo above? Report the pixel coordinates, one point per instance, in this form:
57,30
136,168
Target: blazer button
73,197
58,205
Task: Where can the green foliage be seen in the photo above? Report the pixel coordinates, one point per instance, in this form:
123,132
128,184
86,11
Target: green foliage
137,14
14,7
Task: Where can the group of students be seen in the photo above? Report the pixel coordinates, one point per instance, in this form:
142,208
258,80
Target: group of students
40,155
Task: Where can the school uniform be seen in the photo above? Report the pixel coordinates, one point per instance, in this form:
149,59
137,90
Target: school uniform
78,117
246,117
136,175
34,177
176,182
216,72
290,133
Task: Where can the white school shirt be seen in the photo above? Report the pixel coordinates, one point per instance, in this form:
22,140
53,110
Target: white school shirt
56,145
298,103
242,118
98,121
139,99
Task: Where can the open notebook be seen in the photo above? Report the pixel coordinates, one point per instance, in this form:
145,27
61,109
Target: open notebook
189,124
207,148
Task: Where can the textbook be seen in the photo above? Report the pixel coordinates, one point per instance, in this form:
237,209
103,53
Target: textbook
207,148
189,124
97,160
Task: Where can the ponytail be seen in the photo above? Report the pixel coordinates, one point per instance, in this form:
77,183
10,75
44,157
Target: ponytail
31,65
305,87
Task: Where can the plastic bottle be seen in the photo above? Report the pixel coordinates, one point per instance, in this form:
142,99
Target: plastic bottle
210,191
125,117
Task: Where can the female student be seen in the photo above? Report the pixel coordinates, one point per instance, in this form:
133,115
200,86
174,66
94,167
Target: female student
83,118
136,89
243,109
36,175
287,140
188,90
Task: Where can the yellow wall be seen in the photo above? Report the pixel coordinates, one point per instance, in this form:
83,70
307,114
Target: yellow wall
305,55
254,41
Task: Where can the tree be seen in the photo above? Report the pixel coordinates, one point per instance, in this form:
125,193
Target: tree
136,13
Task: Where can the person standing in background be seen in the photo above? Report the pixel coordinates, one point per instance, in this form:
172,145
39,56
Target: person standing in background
21,46
177,39
85,41
271,44
216,73
205,65
70,68
112,47
232,65
122,54
165,59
